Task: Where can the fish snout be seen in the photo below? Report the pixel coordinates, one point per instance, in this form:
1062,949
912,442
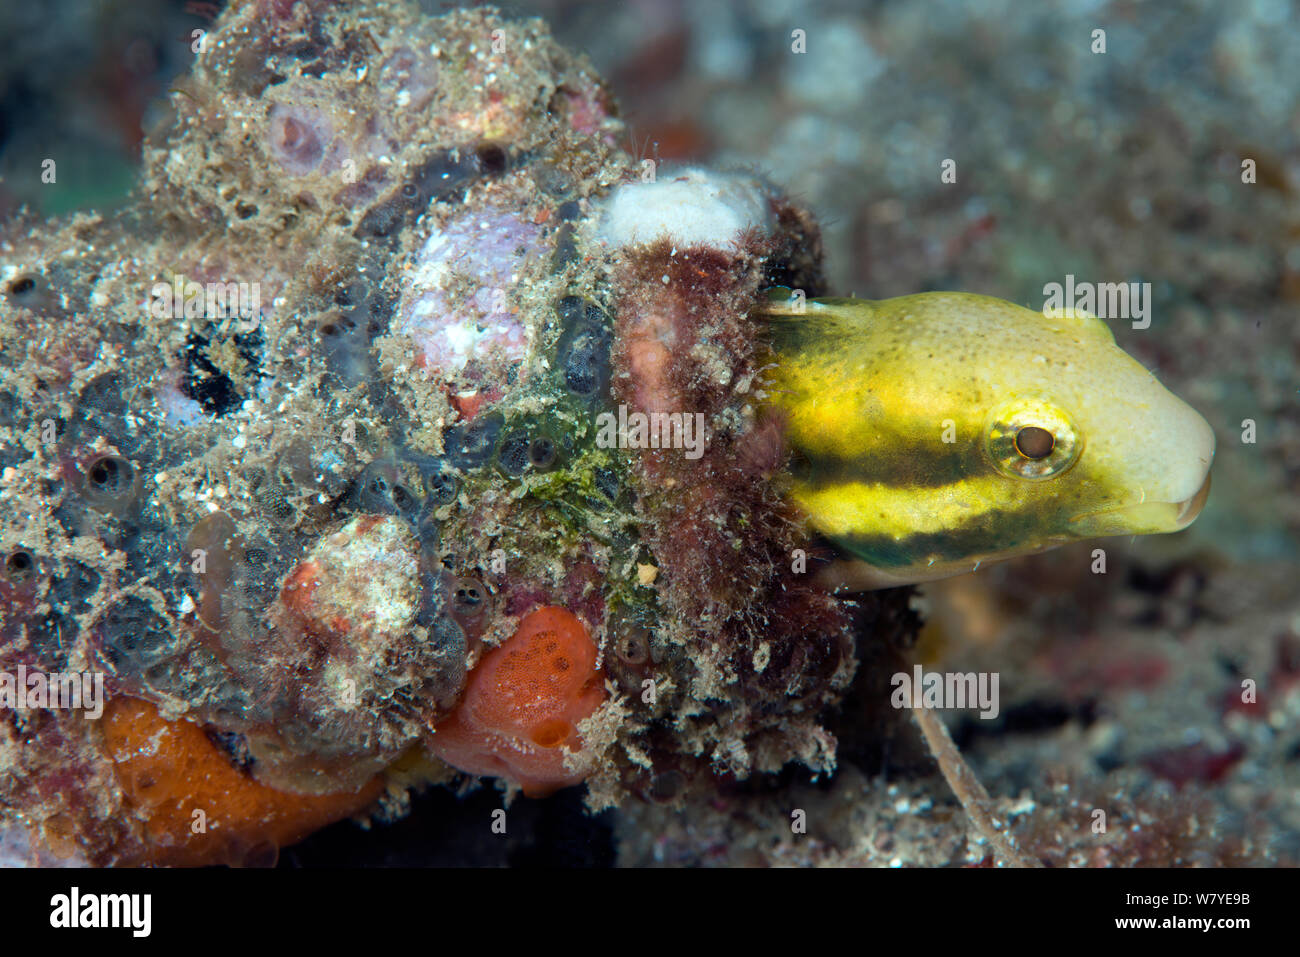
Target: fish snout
1170,489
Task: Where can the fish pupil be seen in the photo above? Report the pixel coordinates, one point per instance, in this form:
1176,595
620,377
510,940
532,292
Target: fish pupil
1035,443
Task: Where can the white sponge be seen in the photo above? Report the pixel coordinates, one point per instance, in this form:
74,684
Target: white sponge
690,207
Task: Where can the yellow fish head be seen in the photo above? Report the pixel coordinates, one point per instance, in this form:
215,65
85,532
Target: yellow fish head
935,432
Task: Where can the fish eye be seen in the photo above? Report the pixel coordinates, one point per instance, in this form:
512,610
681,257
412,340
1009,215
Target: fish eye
1034,443
1031,438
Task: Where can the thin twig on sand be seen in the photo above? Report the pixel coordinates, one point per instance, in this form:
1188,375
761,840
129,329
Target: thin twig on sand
967,787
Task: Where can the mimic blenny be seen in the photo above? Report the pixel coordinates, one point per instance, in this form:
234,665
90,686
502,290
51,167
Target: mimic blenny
936,432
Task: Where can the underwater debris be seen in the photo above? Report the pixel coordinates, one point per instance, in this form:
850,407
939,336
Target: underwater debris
326,531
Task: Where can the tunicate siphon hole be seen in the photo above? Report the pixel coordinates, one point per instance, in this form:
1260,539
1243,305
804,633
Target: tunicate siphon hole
441,176
471,446
20,566
402,499
33,291
633,646
380,488
440,484
468,595
110,475
372,488
467,604
110,482
492,158
22,286
542,453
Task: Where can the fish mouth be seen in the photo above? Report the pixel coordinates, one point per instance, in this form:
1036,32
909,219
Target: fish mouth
1146,518
1192,507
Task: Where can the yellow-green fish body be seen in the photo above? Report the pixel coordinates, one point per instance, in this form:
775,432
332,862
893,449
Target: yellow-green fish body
935,432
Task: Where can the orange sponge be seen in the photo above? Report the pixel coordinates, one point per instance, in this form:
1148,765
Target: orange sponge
522,705
194,806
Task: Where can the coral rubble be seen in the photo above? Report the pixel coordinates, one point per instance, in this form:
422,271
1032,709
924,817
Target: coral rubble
306,451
